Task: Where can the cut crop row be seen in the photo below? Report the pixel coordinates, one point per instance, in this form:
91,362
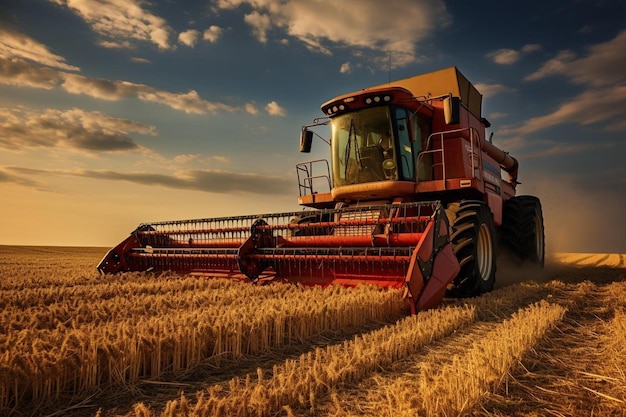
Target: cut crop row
40,364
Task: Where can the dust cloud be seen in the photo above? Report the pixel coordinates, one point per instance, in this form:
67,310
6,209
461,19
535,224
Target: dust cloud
510,270
580,217
576,219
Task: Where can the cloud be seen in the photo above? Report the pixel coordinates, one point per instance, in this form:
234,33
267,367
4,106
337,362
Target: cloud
189,37
115,44
251,108
531,47
22,73
260,24
221,159
559,148
14,71
504,56
189,102
96,87
345,68
222,182
606,105
489,90
511,56
10,178
379,27
14,44
185,158
274,109
603,69
117,21
73,129
498,115
212,34
602,65
140,60
199,180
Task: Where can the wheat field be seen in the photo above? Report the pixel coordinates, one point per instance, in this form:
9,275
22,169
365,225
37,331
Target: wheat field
75,343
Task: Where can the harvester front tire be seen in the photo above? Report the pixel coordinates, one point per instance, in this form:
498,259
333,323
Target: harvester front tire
472,234
522,231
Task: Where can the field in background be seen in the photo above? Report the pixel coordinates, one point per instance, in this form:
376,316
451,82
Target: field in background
549,342
590,259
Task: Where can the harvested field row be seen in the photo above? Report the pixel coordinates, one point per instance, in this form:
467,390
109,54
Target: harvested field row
74,347
615,260
145,339
579,370
464,380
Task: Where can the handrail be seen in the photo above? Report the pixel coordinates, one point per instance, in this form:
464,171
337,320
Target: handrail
474,137
306,182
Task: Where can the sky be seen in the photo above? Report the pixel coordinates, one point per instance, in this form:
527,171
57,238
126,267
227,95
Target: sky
119,112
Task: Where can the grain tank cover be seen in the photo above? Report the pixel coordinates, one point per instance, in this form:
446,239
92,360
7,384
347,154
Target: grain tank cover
441,82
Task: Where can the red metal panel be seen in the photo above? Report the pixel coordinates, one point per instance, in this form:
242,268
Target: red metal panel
445,268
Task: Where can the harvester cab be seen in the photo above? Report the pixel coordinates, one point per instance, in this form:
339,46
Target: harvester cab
413,198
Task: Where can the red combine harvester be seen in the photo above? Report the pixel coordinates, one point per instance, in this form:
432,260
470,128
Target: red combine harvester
413,197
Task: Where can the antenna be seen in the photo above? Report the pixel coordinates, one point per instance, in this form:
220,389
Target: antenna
389,76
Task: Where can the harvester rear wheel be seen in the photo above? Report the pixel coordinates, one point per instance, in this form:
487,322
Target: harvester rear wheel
472,234
522,231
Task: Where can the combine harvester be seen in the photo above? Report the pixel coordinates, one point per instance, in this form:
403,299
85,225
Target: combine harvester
413,197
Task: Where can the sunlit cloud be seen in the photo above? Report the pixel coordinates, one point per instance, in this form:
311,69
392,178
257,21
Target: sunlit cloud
603,70
260,24
115,44
511,56
592,106
498,115
18,72
117,21
379,27
140,60
21,73
489,90
346,68
222,182
14,44
185,158
221,159
559,149
251,108
7,177
274,109
197,158
189,102
73,129
602,65
189,37
212,34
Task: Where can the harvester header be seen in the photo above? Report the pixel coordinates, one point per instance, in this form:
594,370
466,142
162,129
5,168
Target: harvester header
412,197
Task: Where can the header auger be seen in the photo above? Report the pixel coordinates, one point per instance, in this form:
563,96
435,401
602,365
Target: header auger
413,198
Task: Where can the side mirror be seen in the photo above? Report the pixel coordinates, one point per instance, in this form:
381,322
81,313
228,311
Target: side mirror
452,110
306,138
